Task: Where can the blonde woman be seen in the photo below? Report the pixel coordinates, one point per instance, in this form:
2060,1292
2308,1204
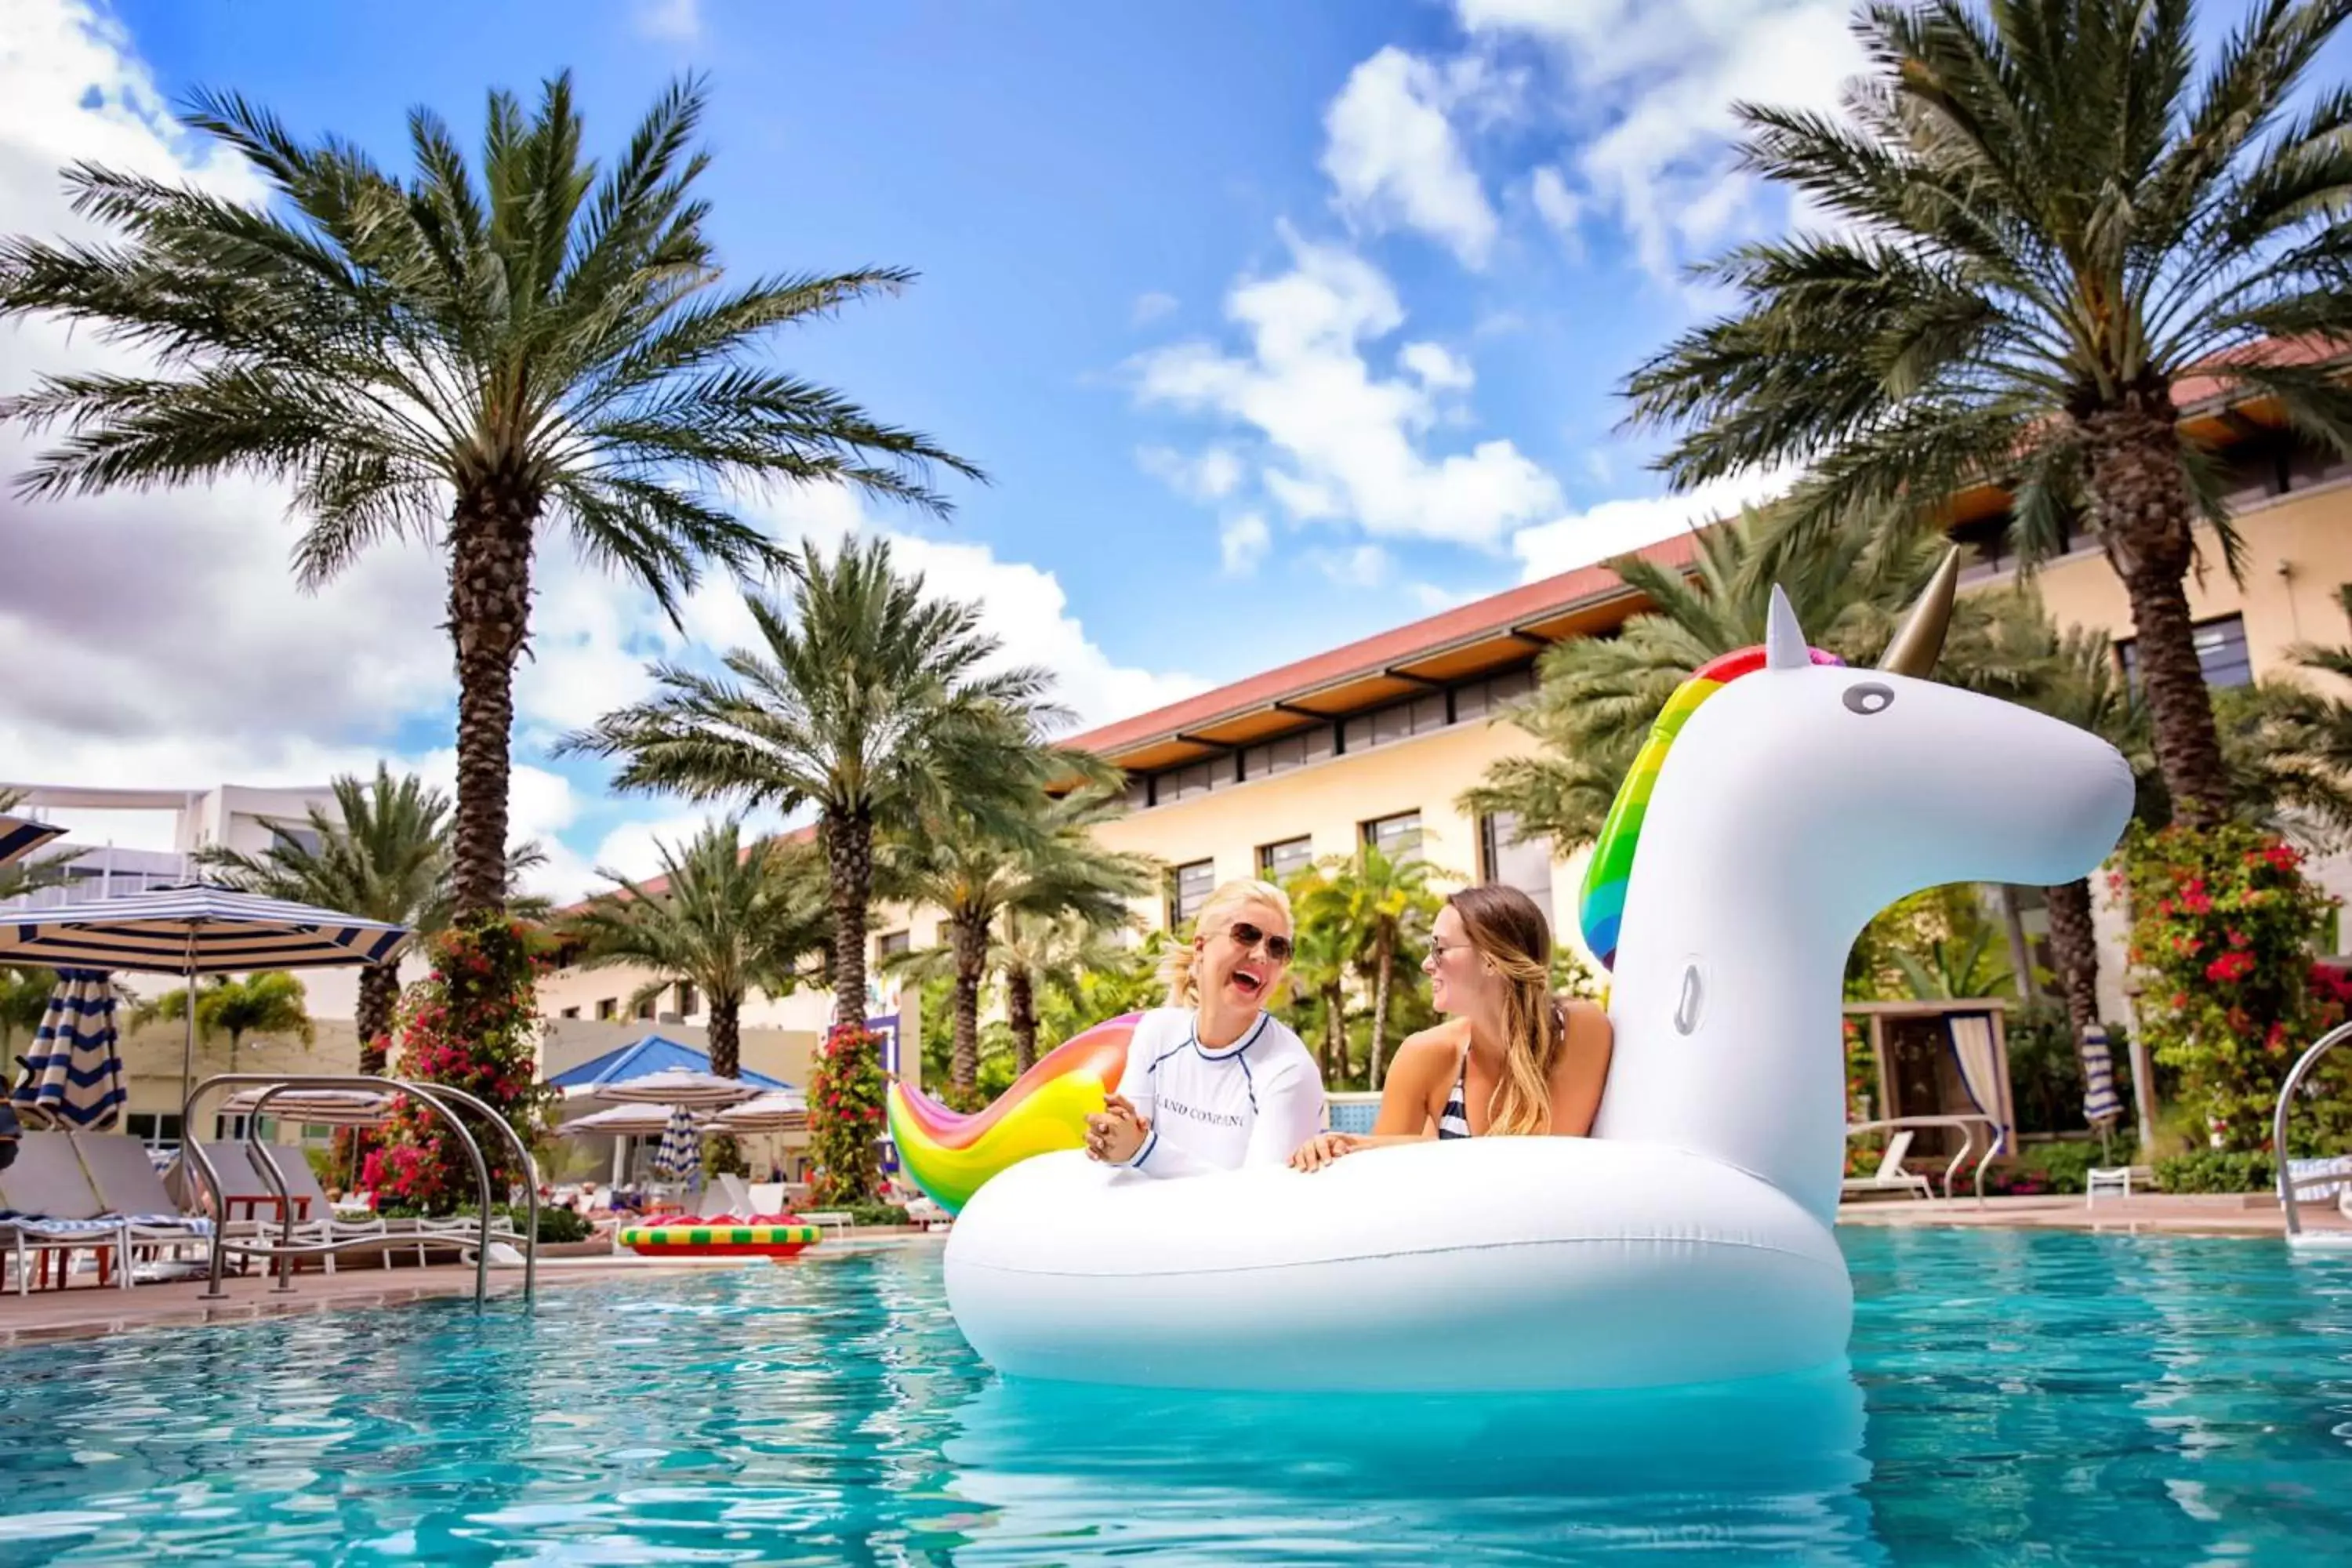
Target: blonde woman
1213,1081
1510,1060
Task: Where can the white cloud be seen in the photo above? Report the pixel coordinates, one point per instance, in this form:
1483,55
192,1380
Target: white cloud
1555,203
1348,441
675,21
1216,474
1437,368
1648,96
1023,607
1242,543
1615,527
1149,308
1393,156
1433,598
1365,566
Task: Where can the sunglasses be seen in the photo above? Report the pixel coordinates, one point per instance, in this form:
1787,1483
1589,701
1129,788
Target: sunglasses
1277,948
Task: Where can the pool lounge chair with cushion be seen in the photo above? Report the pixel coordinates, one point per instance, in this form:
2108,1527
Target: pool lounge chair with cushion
58,1202
1891,1176
322,1222
46,1206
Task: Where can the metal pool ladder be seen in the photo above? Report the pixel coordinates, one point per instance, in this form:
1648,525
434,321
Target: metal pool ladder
440,1098
2289,1201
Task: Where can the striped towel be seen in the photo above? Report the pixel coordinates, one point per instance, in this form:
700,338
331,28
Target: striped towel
34,1225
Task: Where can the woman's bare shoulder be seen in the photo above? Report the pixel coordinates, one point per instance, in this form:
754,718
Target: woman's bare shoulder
1439,1042
1587,1021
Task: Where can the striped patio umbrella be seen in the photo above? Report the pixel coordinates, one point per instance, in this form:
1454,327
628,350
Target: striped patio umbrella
779,1110
74,1077
194,930
318,1106
2101,1105
629,1120
677,1085
19,836
682,1147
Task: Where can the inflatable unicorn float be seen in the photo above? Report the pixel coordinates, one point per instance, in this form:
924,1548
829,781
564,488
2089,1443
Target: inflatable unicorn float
1781,800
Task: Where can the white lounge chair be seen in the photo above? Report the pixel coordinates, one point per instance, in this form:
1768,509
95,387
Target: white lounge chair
322,1223
767,1197
60,1201
729,1198
1891,1176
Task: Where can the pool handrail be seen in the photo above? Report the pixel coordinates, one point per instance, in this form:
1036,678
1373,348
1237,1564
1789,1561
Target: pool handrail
2288,1202
430,1094
440,1092
1968,1123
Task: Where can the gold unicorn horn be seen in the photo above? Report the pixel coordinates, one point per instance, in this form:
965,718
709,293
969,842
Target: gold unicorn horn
1920,638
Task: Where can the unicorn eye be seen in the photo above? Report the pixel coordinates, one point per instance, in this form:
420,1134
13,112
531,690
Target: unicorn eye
1869,696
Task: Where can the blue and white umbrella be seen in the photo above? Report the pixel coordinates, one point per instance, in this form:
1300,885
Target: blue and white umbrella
194,930
2100,1102
19,836
680,1153
74,1077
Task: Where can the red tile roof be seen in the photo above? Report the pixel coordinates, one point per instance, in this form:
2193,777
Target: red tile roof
1493,616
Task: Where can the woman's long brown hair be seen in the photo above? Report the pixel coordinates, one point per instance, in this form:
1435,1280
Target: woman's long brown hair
1508,931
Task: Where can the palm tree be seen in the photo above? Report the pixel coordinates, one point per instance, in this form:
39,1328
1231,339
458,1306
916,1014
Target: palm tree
732,918
1596,699
1049,957
268,1002
25,994
1384,907
385,853
456,360
953,861
2046,226
871,701
1321,966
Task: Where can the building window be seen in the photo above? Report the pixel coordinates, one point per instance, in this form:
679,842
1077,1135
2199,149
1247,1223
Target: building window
572,1012
608,1009
1280,862
689,1000
1189,888
2221,653
1398,838
644,1010
1505,858
153,1127
893,942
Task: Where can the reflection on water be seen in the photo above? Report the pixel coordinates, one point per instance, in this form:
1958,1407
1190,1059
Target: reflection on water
2067,1399
1772,1468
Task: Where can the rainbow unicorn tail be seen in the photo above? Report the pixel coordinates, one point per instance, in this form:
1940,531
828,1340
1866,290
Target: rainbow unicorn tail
951,1155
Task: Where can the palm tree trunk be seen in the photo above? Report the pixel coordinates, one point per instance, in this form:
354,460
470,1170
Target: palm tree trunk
489,619
722,1155
1383,967
1021,1011
849,864
2144,514
1334,1032
726,1033
2074,942
378,999
2021,952
968,941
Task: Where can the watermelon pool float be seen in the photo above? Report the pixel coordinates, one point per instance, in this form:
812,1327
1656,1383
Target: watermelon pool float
777,1238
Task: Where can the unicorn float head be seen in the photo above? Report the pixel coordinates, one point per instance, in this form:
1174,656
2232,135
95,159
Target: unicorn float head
1782,800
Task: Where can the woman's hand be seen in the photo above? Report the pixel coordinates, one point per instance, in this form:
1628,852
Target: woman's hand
1115,1135
1324,1147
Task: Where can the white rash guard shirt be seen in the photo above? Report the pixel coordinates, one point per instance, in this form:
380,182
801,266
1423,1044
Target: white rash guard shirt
1252,1102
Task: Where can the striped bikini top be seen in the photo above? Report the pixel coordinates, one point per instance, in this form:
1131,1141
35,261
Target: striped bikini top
1453,1121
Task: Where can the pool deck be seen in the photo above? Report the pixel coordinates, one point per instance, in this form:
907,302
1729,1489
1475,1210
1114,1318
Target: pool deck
86,1310
2161,1214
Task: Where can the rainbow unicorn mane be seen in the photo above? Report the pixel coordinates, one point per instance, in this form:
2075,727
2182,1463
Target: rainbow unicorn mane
950,1156
1601,906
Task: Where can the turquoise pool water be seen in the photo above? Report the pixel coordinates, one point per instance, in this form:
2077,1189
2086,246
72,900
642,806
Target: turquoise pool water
2052,1398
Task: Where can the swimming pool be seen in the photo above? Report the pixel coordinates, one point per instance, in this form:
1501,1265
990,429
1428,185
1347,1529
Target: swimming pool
2071,1399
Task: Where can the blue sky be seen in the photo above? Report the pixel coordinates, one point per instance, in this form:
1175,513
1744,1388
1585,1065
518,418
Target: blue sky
1274,325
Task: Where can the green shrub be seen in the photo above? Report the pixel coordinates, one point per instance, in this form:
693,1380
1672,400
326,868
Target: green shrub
2062,1167
877,1214
325,1166
2218,1170
555,1224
